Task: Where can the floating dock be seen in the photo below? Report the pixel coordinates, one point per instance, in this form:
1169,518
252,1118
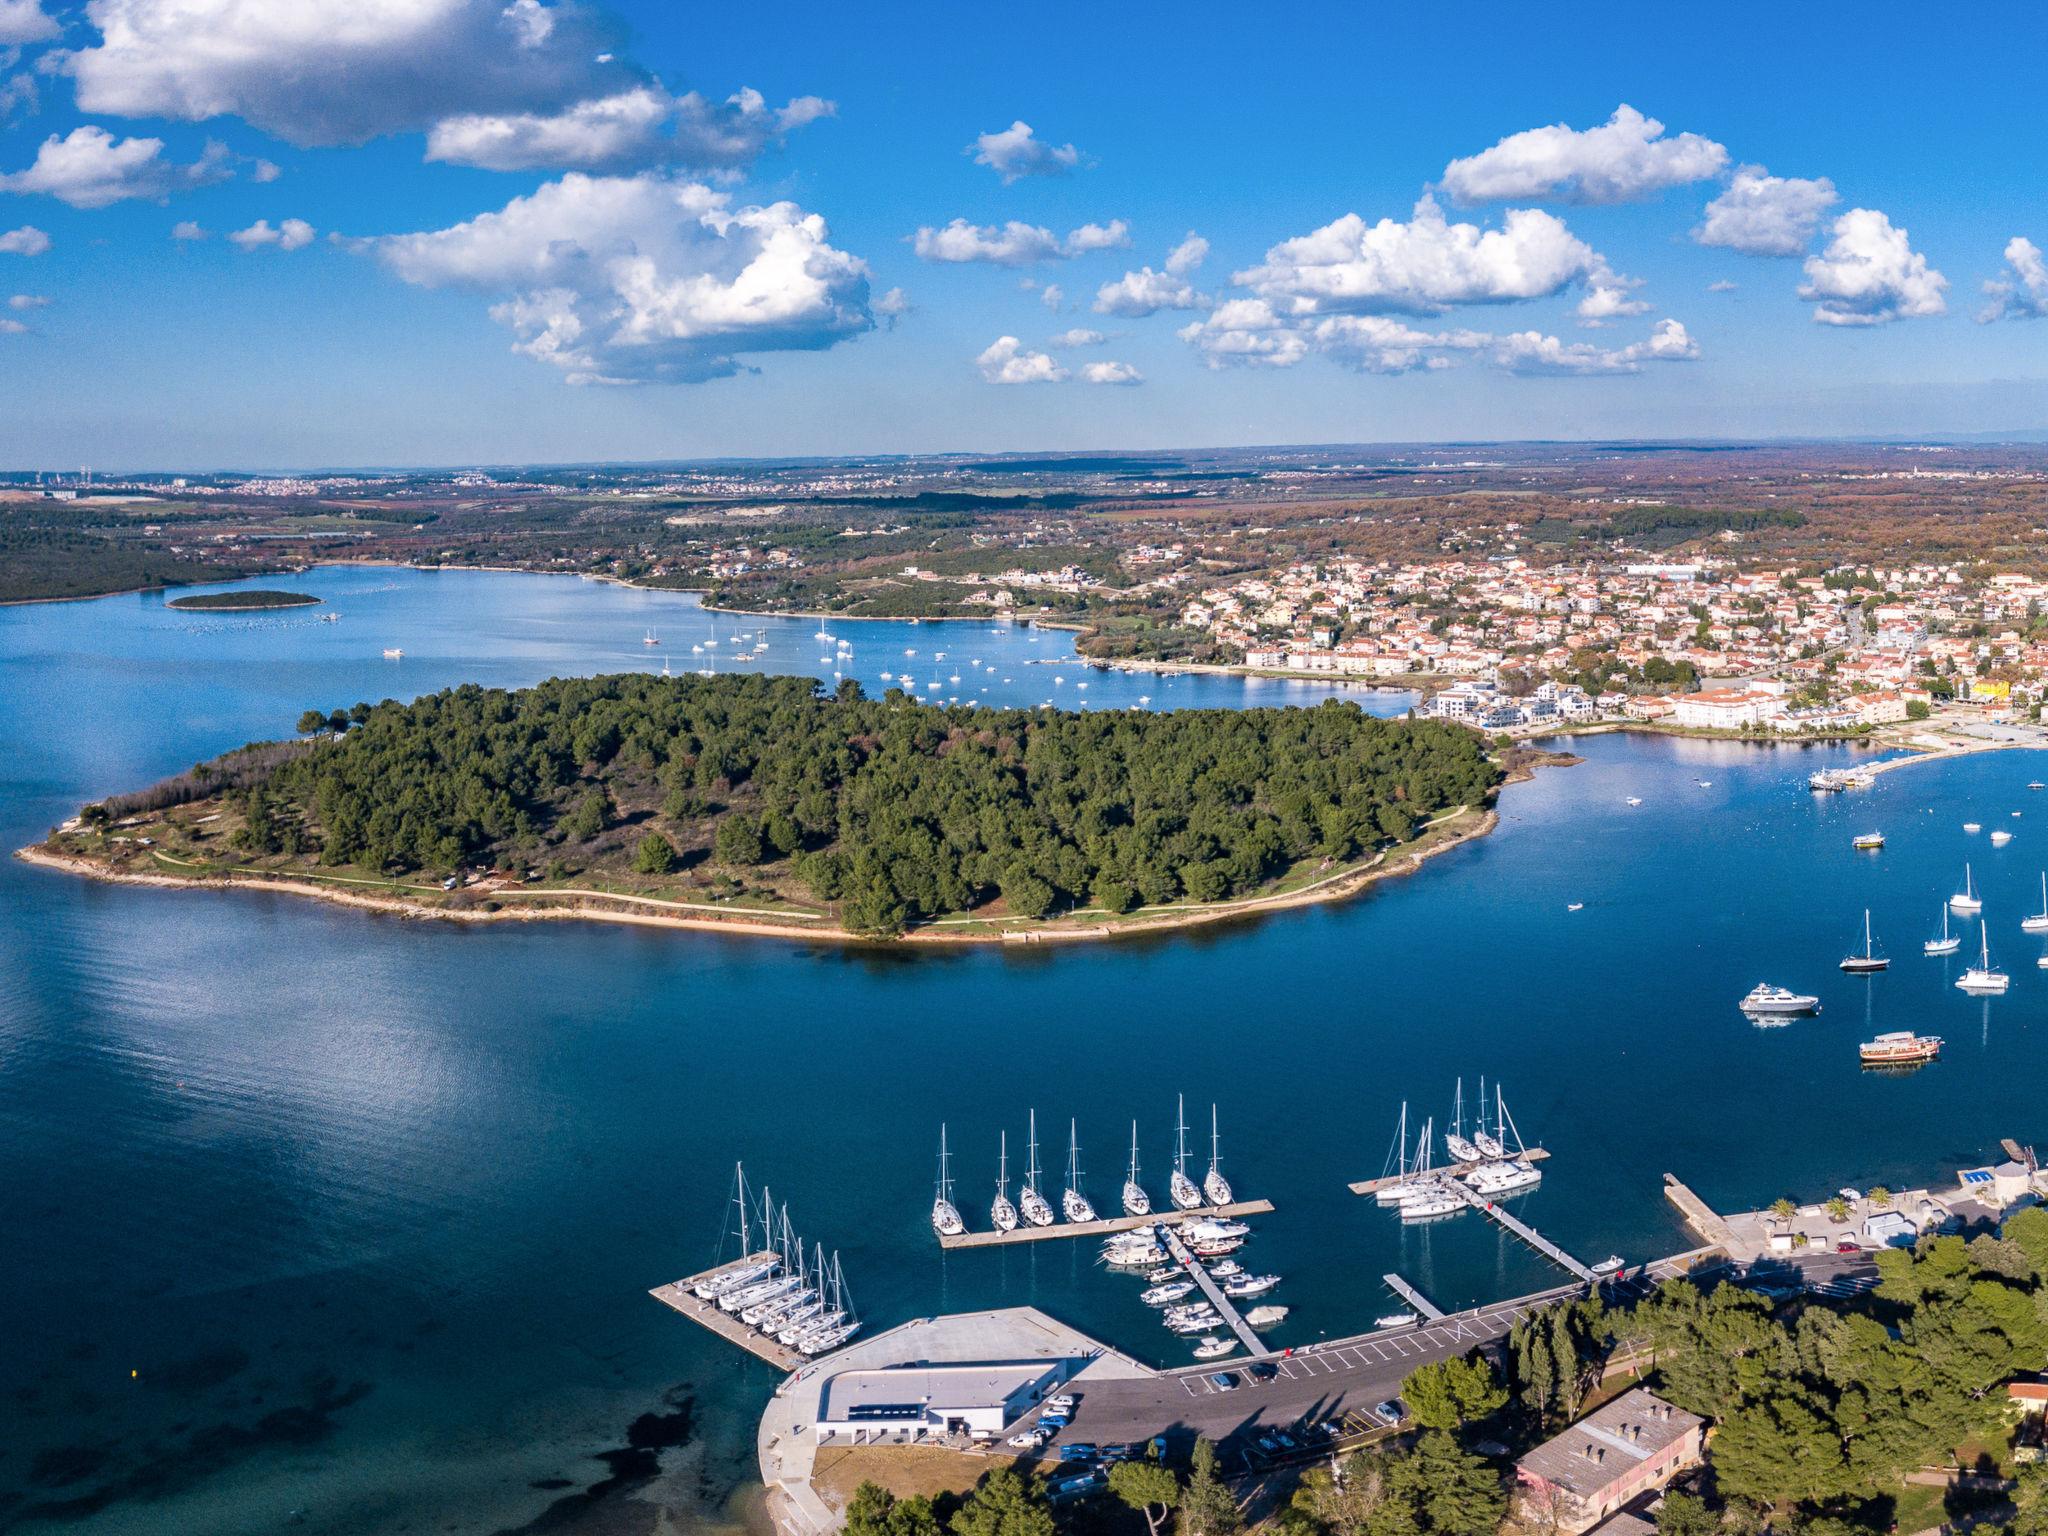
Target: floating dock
1421,1303
1524,1231
680,1295
1374,1186
1030,1234
1201,1276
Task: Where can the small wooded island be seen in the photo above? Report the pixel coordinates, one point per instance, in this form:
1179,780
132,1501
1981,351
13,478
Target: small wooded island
762,802
243,601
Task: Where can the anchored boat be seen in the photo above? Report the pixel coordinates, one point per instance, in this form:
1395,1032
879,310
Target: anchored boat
2037,922
1870,959
1981,978
1868,840
1899,1048
1948,943
1768,1001
1967,901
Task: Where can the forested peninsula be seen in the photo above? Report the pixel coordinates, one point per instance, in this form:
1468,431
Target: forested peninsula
763,802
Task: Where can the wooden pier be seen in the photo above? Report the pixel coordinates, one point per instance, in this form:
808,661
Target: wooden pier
1421,1303
680,1295
1374,1186
1026,1233
1185,1257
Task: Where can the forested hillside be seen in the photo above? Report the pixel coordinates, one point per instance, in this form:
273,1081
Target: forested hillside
890,811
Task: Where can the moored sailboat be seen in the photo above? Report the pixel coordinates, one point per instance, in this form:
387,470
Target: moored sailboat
1214,1185
1870,959
1179,1186
2037,922
1030,1202
1136,1201
1002,1213
1967,901
1981,978
1456,1147
1072,1201
945,1215
1948,943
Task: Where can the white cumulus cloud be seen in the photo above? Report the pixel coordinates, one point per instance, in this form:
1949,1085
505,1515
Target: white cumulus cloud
25,241
2020,292
1015,244
1188,255
24,21
28,301
1145,292
1079,336
1112,373
1870,274
891,307
188,229
291,235
1609,296
343,71
1004,361
90,168
629,130
1425,266
1014,153
1764,215
1535,353
1624,159
631,279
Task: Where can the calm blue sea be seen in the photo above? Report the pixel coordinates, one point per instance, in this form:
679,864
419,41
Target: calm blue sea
339,1222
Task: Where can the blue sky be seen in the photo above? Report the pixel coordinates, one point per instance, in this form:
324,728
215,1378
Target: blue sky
444,231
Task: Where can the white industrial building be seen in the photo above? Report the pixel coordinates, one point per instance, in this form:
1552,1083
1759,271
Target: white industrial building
916,1402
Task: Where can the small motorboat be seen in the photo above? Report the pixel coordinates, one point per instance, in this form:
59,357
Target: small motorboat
1213,1348
1868,840
1611,1265
1243,1287
1634,800
1162,1295
1396,1320
1575,906
1973,826
2000,837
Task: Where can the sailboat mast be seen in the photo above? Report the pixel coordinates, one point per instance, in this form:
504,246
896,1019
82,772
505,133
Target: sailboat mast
1031,1155
1215,1141
1134,1151
1003,1165
739,1180
1180,1150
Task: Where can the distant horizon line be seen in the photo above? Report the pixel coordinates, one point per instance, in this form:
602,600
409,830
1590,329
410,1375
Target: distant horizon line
2022,437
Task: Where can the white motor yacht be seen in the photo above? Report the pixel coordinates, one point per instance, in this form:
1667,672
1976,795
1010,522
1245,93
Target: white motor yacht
1214,1348
1765,998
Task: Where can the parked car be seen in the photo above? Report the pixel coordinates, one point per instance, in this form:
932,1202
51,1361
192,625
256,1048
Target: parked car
1078,1450
1224,1381
1391,1410
1263,1371
1075,1485
1031,1439
1111,1454
1053,1421
1848,1247
1061,1402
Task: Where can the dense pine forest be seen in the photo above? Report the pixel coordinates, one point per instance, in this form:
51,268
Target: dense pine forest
892,811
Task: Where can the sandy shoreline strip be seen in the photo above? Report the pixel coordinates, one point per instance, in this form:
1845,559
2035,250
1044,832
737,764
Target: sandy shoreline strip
652,912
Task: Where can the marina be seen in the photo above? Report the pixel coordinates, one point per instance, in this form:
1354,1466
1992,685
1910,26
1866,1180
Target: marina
1231,1317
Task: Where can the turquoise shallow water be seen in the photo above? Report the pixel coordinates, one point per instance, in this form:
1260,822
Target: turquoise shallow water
370,1207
